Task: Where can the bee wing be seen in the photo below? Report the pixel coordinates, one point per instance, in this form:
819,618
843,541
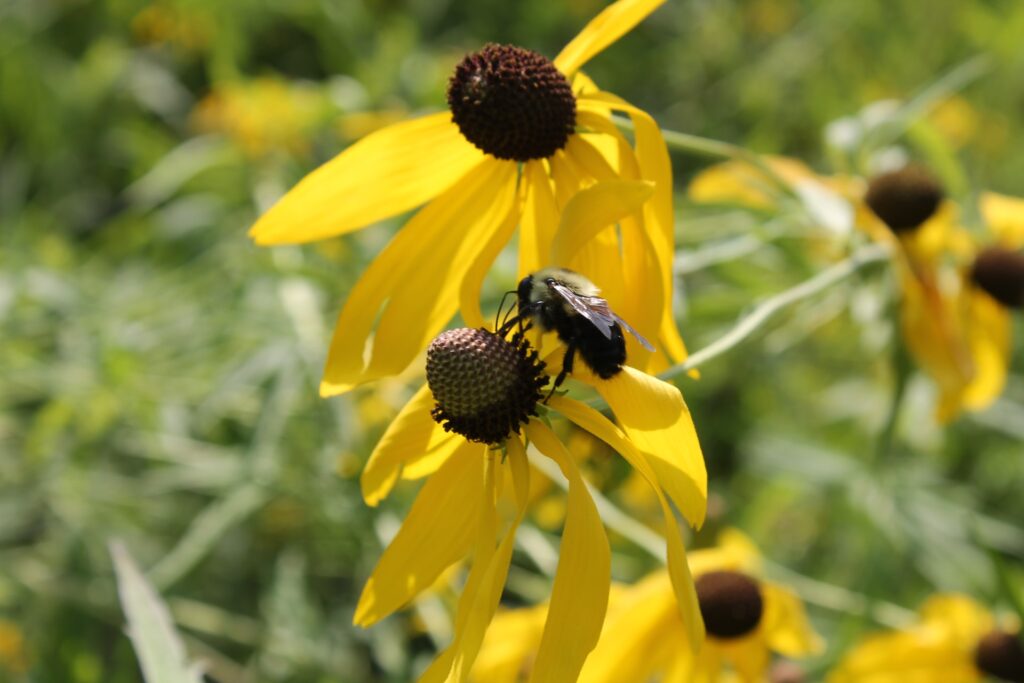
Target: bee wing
585,306
596,310
639,337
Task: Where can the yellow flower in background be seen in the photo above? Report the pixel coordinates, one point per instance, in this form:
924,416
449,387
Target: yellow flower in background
484,389
643,638
956,329
528,142
263,114
746,619
187,27
13,653
956,640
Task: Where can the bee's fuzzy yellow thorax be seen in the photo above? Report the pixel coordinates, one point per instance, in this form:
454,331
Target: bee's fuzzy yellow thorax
571,279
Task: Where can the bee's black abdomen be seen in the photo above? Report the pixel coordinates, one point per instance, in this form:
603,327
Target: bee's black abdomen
603,355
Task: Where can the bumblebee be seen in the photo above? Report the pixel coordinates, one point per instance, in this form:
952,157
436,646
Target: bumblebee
567,303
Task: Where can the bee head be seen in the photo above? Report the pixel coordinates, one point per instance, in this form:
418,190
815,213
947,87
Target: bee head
525,291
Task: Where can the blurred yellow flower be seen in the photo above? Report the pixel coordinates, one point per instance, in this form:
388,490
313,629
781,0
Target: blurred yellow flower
13,657
643,636
484,388
188,28
746,618
956,640
956,332
262,115
500,159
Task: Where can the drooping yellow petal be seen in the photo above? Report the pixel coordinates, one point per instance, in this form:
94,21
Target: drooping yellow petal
416,279
386,173
411,437
473,280
483,588
611,24
438,531
678,567
785,625
567,180
539,221
659,219
509,645
988,337
654,415
640,639
643,302
579,597
594,209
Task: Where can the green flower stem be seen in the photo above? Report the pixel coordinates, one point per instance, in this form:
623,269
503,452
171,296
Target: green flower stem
865,256
715,149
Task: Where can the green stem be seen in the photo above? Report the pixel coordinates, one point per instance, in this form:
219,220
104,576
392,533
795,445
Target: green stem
715,149
755,319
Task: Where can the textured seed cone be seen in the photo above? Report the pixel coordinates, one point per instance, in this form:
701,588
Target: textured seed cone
730,603
904,199
1001,655
512,103
1000,272
485,385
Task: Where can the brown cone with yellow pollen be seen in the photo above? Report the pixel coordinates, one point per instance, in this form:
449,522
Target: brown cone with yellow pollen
904,199
730,603
512,103
485,386
1000,272
1001,655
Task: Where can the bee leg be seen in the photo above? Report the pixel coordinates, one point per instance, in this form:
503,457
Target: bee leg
567,362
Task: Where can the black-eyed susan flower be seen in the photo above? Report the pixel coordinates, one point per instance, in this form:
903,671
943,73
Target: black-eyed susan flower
747,621
953,322
466,432
527,142
955,330
955,640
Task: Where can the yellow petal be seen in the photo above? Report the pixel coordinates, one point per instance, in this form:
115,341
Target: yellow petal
483,588
566,179
659,218
438,531
473,280
416,279
412,436
539,220
904,658
384,174
611,24
1005,218
988,337
743,550
678,567
640,639
785,625
579,597
748,656
509,644
963,619
657,420
594,209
